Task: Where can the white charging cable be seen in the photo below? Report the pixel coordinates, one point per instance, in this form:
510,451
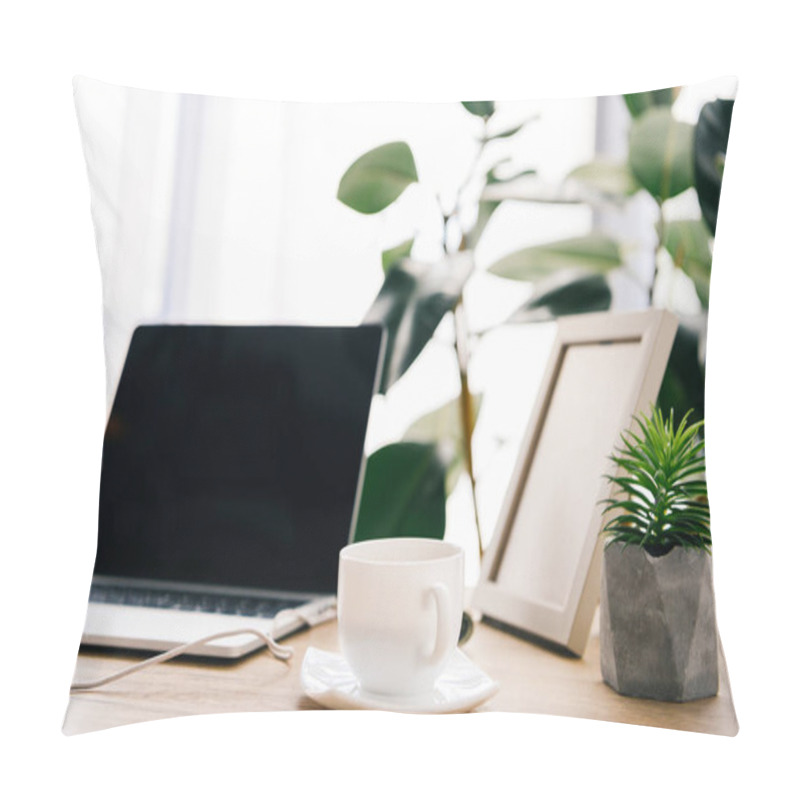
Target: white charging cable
279,651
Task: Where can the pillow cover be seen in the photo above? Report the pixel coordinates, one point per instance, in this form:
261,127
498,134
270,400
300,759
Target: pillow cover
465,231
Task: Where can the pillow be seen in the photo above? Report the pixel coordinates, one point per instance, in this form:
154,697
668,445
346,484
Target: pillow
471,233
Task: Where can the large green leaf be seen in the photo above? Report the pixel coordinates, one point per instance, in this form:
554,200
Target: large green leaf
683,387
611,178
480,108
579,296
403,493
394,255
410,305
378,178
639,102
443,427
710,147
594,253
688,242
660,153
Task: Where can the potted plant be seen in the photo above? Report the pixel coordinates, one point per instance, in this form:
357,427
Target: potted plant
658,635
407,482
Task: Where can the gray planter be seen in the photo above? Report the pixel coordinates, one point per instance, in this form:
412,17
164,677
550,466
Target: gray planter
658,632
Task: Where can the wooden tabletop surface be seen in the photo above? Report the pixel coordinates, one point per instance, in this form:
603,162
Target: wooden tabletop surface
532,678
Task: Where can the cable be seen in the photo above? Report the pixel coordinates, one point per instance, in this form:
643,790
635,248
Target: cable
280,652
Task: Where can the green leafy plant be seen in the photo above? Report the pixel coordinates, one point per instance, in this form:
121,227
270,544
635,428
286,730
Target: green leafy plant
660,499
407,484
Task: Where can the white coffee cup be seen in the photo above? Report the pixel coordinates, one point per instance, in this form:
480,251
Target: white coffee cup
400,603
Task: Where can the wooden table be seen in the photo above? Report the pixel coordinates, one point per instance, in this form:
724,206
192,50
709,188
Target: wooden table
532,679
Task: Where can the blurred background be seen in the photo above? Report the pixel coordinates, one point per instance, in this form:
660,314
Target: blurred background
225,210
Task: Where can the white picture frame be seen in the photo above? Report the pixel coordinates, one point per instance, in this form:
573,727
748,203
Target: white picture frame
541,573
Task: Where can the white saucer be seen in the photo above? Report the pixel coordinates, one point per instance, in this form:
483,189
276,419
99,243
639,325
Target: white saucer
328,680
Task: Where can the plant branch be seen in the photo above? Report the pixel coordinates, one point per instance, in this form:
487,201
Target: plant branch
445,223
467,411
469,176
659,244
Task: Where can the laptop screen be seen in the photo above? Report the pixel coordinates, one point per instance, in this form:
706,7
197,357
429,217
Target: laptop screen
232,455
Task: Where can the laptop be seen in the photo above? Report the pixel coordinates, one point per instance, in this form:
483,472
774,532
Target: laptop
232,465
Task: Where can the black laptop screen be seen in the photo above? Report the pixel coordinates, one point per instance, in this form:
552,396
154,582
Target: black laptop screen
232,454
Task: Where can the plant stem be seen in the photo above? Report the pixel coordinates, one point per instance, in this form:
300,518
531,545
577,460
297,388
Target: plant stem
467,410
467,414
659,243
471,171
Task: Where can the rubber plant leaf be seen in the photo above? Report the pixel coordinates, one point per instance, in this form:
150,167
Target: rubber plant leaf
710,147
661,152
410,305
442,426
394,255
688,242
480,108
594,253
403,493
579,296
376,179
639,102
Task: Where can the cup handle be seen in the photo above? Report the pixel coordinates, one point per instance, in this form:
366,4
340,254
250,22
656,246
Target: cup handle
442,644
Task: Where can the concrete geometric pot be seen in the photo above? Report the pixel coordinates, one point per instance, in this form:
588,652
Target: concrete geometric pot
658,630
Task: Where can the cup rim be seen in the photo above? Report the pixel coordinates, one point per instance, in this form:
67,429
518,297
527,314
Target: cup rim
360,552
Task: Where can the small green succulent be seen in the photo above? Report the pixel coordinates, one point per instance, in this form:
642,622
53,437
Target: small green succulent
661,498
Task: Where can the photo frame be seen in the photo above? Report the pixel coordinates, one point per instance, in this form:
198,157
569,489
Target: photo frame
541,573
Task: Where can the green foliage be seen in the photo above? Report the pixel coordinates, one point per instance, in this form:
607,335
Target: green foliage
689,245
607,178
406,483
639,102
505,133
410,305
661,499
710,147
683,387
593,253
487,207
442,426
660,153
492,178
394,255
480,108
581,296
376,179
403,493
668,157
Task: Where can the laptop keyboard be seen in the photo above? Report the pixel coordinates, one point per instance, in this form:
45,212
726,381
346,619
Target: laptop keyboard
193,601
